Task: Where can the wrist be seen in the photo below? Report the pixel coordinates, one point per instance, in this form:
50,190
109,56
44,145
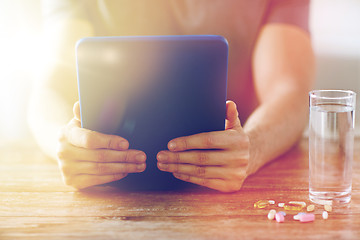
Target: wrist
253,164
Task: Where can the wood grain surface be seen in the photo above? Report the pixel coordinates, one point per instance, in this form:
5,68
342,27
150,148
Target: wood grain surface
35,204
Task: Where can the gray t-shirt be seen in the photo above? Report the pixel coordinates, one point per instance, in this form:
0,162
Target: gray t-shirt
239,21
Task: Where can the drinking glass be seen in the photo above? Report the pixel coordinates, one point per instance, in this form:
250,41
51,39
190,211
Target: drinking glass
331,145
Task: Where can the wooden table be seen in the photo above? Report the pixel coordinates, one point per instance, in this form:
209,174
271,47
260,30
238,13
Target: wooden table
36,205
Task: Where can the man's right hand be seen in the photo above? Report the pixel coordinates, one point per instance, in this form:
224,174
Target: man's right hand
88,158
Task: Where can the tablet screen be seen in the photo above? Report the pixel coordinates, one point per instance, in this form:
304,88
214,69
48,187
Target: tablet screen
150,90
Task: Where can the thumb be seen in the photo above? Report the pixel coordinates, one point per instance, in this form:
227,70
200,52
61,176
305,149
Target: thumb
232,116
76,110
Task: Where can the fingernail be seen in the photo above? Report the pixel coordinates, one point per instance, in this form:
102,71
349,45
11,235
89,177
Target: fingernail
172,146
162,166
162,157
140,167
140,157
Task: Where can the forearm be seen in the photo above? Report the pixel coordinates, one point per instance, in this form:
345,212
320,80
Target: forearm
55,91
48,112
275,126
283,67
50,107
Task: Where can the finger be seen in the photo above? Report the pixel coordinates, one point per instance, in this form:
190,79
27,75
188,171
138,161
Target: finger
217,184
208,140
232,116
70,152
204,158
203,171
74,123
76,111
96,168
86,138
84,181
192,170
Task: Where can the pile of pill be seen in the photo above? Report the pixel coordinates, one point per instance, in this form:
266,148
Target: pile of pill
302,217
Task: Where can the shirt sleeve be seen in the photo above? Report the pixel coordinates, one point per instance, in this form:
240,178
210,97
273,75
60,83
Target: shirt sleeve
294,12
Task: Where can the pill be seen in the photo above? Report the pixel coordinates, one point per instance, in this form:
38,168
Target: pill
310,208
261,204
293,206
309,217
281,204
325,215
303,204
297,216
279,217
271,214
328,208
282,213
271,202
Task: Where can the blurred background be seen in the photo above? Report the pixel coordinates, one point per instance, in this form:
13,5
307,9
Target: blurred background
335,33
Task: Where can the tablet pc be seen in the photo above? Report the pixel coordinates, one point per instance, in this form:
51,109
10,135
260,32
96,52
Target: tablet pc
151,89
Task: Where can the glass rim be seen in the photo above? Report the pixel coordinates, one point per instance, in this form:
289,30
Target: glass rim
350,94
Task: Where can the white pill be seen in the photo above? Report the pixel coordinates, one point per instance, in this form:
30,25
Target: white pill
281,204
271,214
271,202
325,215
297,216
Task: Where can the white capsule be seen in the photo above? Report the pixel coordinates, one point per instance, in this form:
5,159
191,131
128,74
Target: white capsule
281,204
271,202
282,213
325,215
271,214
297,216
